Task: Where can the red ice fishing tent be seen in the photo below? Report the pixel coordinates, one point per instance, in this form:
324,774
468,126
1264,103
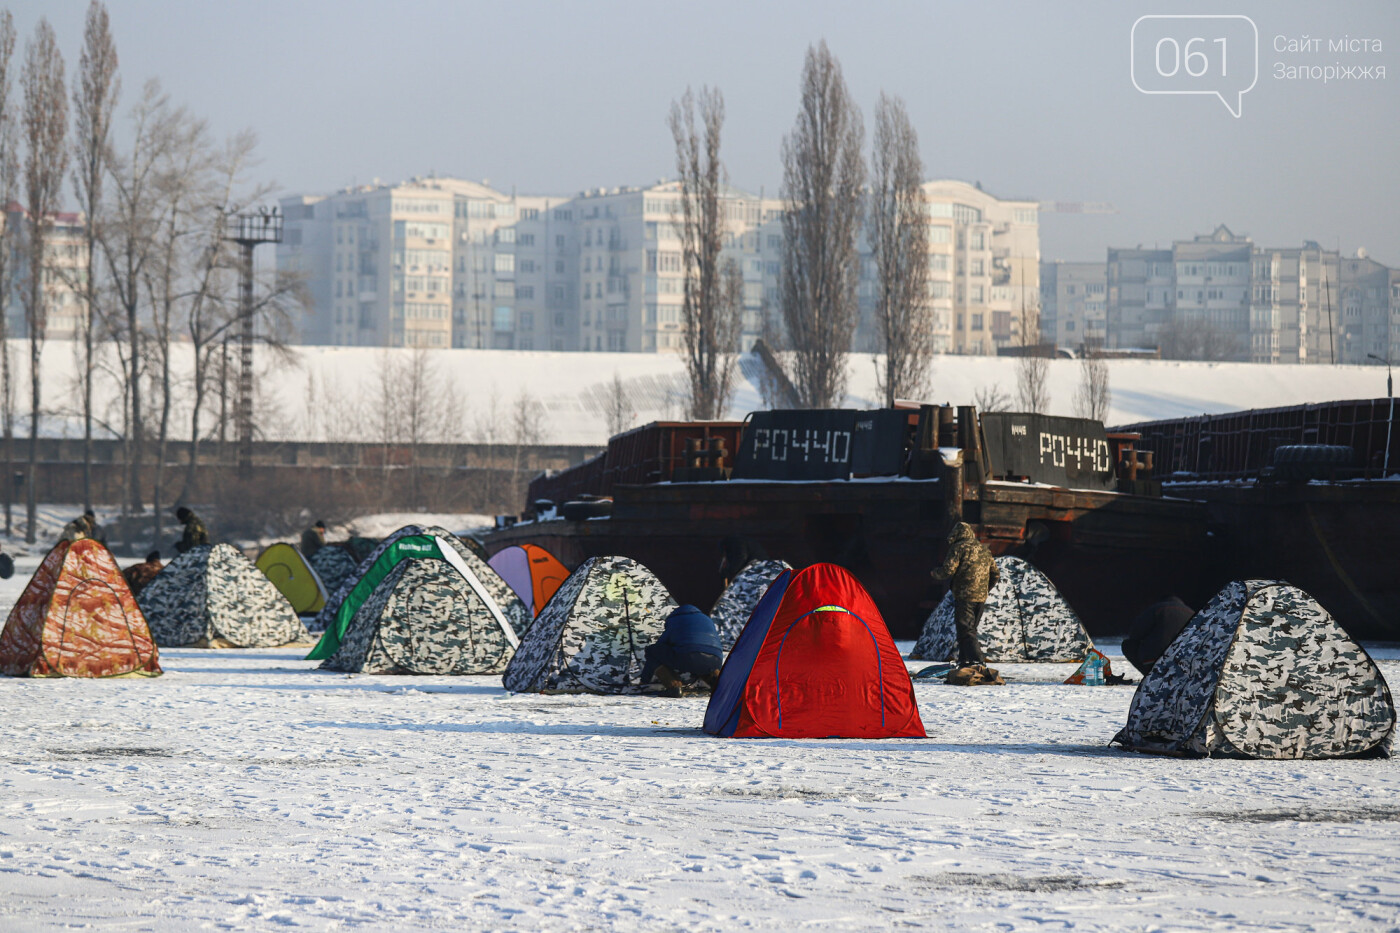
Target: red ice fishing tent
77,618
814,661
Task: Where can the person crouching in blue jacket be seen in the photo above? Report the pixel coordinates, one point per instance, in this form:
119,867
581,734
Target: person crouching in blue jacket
689,645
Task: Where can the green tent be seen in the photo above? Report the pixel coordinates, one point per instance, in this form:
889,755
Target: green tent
413,547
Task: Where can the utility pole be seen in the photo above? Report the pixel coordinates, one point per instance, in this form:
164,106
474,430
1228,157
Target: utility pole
248,230
1390,422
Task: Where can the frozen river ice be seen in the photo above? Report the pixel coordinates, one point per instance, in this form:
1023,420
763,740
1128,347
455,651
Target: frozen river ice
246,790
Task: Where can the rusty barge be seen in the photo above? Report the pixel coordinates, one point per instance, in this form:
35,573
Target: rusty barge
877,492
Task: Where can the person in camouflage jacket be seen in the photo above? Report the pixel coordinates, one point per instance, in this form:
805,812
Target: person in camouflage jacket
138,575
972,571
196,535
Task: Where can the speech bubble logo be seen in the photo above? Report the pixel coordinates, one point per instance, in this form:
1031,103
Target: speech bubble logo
1187,54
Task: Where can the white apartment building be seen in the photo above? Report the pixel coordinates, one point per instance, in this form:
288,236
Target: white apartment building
1268,305
984,269
1073,304
440,262
64,274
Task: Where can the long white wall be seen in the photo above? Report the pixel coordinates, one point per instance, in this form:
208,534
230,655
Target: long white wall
329,393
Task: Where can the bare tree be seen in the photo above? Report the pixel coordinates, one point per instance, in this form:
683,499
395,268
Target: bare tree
527,431
9,171
45,164
182,183
619,409
712,306
128,237
991,398
823,173
899,242
212,311
1092,397
1032,368
95,93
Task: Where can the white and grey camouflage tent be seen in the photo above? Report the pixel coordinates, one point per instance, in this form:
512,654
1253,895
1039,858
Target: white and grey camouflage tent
591,635
1026,619
515,611
333,564
735,604
1263,671
422,607
213,596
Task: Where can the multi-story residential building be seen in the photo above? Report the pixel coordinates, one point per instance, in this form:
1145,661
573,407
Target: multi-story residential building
1294,293
1140,291
442,262
433,263
1073,303
1369,307
64,274
1265,305
984,268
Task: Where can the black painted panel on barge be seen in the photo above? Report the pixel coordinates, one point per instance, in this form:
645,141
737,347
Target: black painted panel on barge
804,445
1069,452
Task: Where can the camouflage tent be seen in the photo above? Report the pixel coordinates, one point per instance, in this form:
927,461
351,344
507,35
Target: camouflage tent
735,604
1026,619
213,597
1262,672
591,636
422,607
334,565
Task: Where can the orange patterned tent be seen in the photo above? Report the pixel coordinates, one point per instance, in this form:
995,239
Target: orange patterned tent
77,619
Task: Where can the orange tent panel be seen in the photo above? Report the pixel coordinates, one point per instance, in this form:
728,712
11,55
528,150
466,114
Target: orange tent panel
547,574
77,618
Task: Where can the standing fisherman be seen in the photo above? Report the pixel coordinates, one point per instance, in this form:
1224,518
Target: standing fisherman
973,572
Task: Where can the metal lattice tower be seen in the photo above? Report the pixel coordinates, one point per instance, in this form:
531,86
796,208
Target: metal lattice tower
248,230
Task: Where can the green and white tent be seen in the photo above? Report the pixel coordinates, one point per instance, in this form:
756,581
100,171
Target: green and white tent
591,635
423,603
1263,671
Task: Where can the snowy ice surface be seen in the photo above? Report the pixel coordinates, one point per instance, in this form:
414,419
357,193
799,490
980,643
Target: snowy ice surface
246,790
327,393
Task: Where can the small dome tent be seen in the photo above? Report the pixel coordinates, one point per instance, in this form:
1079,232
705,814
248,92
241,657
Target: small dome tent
77,618
294,578
532,572
591,636
334,565
815,661
212,596
510,605
1026,619
422,607
736,603
1263,671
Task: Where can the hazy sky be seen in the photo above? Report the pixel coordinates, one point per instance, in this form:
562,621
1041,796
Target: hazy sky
1031,99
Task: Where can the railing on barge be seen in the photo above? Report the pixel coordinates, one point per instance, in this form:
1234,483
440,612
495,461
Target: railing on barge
648,454
1239,445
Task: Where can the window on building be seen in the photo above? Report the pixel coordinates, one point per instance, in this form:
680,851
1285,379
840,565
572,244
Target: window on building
975,295
939,234
976,267
977,322
505,262
503,318
976,240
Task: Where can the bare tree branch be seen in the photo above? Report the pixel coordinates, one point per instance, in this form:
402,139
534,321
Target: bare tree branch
1092,397
712,306
823,173
899,242
95,91
45,164
9,173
